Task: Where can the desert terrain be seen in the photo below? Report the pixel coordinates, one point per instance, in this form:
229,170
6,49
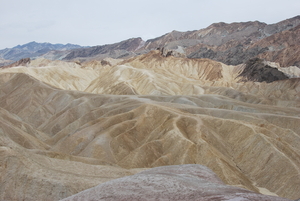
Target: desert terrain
152,120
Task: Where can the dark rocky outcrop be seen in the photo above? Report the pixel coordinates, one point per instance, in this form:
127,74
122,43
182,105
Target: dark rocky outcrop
256,70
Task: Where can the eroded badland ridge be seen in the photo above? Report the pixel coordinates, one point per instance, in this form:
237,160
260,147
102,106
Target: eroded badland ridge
145,125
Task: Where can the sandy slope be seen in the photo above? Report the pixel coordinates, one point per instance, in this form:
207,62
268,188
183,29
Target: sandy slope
146,112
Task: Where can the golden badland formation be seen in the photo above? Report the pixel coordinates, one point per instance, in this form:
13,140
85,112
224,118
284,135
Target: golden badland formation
66,127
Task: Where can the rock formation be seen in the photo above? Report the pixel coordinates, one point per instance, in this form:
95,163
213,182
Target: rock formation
256,70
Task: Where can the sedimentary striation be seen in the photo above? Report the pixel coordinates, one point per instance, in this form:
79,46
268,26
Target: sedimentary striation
70,126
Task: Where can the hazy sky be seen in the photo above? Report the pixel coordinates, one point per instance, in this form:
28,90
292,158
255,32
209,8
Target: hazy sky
99,22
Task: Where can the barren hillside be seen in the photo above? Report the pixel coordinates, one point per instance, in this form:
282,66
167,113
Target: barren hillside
67,127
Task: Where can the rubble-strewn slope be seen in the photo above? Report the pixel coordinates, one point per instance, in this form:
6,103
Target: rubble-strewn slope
145,112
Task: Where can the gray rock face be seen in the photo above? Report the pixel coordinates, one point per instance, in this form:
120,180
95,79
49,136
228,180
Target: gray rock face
178,182
257,71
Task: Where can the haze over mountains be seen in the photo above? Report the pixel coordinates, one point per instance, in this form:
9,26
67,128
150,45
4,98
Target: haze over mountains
226,97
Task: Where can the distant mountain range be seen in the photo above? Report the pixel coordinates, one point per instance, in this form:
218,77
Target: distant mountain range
232,44
32,50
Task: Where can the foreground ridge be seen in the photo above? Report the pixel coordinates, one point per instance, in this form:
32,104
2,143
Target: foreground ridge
178,182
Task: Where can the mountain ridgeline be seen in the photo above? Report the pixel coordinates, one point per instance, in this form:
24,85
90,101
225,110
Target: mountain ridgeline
33,50
232,44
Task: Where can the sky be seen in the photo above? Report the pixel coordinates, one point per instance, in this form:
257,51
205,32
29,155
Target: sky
99,22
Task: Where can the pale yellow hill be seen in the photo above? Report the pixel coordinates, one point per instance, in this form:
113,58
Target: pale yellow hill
63,77
29,170
55,142
153,74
